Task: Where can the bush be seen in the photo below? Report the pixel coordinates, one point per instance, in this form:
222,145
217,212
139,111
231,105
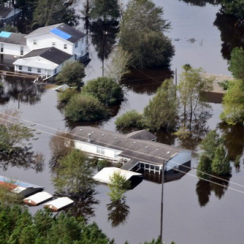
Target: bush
65,96
84,107
105,89
103,163
130,120
71,74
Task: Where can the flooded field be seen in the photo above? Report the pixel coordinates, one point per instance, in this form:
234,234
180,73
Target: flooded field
193,211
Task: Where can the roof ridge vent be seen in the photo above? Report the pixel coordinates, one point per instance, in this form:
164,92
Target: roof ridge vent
102,134
134,142
115,137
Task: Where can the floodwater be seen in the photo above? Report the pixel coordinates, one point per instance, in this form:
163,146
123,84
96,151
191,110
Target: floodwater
193,211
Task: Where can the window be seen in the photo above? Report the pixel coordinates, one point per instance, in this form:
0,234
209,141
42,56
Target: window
55,71
20,67
2,47
39,70
34,42
29,69
65,46
21,50
53,43
100,150
75,56
76,44
116,153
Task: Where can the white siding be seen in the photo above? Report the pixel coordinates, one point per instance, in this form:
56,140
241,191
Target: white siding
13,49
94,149
47,40
81,48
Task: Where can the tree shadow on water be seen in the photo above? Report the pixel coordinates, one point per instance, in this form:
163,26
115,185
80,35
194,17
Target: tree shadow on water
118,211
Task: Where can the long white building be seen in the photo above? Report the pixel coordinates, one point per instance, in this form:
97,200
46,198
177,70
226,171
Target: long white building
45,50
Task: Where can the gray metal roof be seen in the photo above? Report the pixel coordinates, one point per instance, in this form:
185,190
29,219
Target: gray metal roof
51,53
14,38
142,135
4,11
141,150
76,35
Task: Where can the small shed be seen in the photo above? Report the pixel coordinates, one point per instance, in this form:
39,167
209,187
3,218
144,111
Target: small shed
37,198
58,204
106,173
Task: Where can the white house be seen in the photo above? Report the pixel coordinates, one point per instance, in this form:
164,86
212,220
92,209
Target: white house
137,149
45,50
46,61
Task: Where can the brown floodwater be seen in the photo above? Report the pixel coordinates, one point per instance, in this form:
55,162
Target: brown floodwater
193,211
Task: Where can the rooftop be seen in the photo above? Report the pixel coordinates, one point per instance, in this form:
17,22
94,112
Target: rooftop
61,30
142,150
12,38
51,53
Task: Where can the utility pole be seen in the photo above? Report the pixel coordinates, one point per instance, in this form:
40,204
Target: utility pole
162,202
104,34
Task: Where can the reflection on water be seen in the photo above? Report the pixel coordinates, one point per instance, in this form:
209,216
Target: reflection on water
84,205
103,36
15,88
146,81
117,212
231,32
202,3
204,188
234,139
22,158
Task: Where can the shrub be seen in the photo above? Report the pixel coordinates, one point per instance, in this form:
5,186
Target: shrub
65,96
105,89
84,107
130,120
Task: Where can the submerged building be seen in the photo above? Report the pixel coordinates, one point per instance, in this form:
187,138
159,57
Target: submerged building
137,149
45,50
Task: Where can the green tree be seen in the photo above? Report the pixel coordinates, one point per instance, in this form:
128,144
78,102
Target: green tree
101,8
118,64
118,186
221,164
49,12
71,74
7,196
74,174
10,28
233,103
65,96
141,35
13,134
105,89
191,89
162,110
131,120
84,107
236,63
204,166
210,143
233,7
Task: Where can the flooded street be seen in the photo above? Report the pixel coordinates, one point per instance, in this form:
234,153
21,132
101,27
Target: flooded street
193,211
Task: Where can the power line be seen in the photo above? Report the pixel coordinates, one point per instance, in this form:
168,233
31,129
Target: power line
122,149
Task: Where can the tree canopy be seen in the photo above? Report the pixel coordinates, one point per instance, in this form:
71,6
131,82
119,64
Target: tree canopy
105,89
236,63
71,74
141,35
84,107
74,174
162,110
233,103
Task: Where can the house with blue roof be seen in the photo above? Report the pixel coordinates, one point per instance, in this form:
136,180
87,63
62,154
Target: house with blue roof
45,50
